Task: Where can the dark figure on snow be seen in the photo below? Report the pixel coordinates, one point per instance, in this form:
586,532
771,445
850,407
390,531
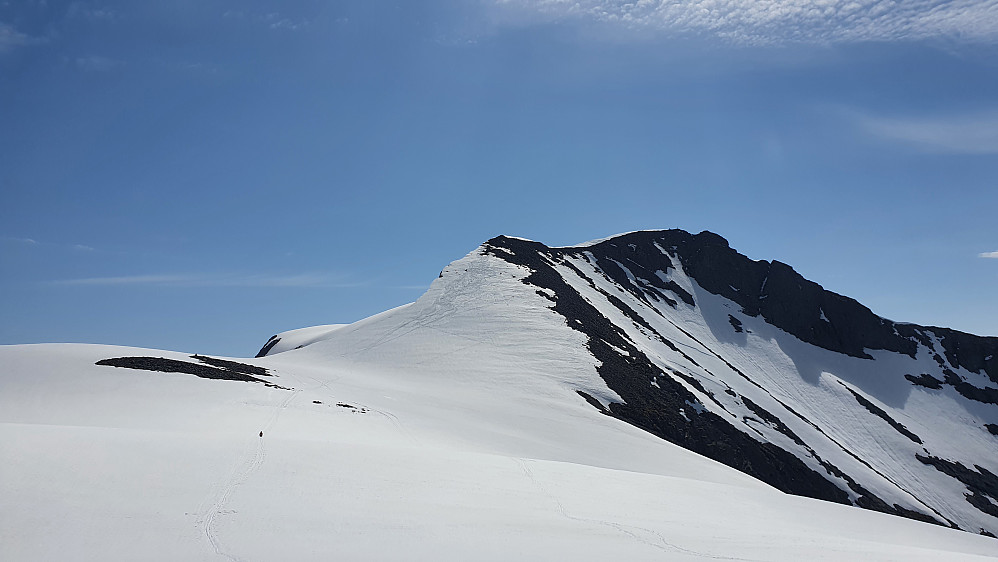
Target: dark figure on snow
261,434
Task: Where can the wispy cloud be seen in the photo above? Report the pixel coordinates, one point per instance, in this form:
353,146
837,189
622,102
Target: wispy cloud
94,63
196,67
93,13
212,280
27,241
128,280
290,25
273,20
988,255
784,21
21,241
957,134
10,38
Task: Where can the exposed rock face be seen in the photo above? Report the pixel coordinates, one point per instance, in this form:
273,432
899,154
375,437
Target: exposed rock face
208,368
674,320
664,413
274,340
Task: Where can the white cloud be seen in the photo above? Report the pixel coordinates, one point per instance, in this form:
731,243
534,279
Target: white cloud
33,242
81,10
128,280
273,20
958,134
28,241
95,63
210,280
289,24
203,68
988,255
11,38
783,21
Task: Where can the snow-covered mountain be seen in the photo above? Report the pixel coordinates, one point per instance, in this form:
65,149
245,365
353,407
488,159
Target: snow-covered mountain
539,403
750,364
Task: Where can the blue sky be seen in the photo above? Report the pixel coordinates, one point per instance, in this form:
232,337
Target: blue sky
198,175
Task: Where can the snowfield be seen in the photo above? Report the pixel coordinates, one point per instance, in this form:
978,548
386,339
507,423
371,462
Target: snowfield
448,429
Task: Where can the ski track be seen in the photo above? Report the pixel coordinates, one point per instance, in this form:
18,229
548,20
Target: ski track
631,531
243,471
392,418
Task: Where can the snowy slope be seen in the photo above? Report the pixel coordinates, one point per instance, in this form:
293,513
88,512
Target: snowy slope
452,428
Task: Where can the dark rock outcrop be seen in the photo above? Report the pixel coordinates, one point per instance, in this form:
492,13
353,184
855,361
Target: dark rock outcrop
980,482
880,413
926,380
268,346
163,365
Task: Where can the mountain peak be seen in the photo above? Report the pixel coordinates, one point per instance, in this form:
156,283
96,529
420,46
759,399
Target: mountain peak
671,310
743,361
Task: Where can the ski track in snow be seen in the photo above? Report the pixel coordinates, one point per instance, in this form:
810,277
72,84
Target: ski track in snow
639,534
392,418
243,471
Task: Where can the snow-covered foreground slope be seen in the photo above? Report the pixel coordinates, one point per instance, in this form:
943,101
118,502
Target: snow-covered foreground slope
459,427
105,463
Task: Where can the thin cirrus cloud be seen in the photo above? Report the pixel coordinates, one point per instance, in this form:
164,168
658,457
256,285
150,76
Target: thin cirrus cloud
784,21
79,10
18,240
10,38
993,255
959,134
210,280
31,242
95,63
273,20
